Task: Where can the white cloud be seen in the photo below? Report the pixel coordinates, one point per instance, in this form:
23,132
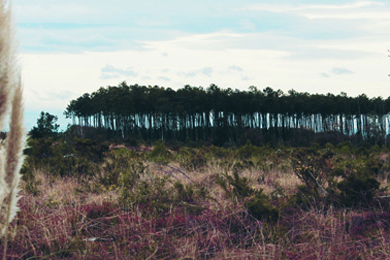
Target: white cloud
289,8
76,47
324,75
111,72
341,71
207,71
164,78
235,68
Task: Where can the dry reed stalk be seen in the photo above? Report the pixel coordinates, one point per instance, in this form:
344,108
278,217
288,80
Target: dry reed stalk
11,156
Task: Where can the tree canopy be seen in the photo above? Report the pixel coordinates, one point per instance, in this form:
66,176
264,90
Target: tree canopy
46,126
221,115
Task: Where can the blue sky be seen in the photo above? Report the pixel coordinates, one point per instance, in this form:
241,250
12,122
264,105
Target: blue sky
68,48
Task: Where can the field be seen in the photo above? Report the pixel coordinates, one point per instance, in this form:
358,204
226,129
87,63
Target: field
89,199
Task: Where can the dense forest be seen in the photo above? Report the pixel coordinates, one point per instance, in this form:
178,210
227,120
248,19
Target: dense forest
227,115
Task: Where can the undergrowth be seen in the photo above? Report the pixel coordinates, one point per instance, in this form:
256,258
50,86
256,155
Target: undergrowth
202,203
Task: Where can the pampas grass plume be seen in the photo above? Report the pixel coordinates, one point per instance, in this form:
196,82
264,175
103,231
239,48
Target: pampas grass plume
11,155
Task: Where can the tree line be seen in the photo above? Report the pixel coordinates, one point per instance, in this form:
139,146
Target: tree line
197,113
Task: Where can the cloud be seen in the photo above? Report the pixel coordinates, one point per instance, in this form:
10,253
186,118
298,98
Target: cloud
72,38
207,71
303,8
324,75
78,47
190,74
235,68
338,71
248,25
246,78
110,72
76,26
341,71
146,78
49,96
164,78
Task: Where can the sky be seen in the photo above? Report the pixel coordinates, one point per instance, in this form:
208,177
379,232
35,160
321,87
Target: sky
68,48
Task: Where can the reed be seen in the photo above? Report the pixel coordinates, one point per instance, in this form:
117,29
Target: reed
11,107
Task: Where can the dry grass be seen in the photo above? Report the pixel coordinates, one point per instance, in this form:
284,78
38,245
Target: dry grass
63,221
79,217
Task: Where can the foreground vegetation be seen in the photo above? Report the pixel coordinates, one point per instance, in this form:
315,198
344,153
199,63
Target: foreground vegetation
90,199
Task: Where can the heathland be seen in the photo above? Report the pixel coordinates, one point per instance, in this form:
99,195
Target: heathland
87,196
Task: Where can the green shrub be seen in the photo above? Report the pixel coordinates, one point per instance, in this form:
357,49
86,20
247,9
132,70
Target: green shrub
255,201
192,159
260,208
348,181
28,176
160,154
247,151
357,188
123,168
235,186
313,169
189,196
153,195
94,150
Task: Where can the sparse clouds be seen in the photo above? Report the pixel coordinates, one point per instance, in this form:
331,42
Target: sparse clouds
164,78
324,75
314,11
341,71
110,72
78,46
189,74
206,71
235,68
336,71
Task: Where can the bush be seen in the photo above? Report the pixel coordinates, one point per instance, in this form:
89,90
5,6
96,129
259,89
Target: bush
248,150
357,188
123,169
192,159
92,149
348,182
157,197
313,169
160,154
255,201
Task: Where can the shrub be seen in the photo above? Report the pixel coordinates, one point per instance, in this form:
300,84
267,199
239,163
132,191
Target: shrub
192,159
347,182
153,196
313,169
28,176
160,154
255,201
123,168
92,149
248,150
357,188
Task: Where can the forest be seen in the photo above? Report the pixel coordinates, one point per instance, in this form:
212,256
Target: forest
230,116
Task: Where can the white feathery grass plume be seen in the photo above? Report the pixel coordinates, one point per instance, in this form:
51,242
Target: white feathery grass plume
11,155
7,60
15,144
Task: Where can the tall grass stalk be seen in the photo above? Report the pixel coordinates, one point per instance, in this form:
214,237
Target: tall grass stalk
11,155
